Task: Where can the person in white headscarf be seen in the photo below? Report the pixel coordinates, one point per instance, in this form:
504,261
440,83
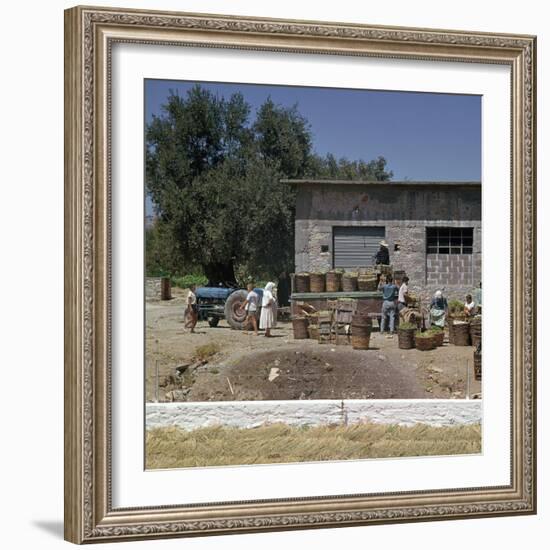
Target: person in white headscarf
438,309
268,317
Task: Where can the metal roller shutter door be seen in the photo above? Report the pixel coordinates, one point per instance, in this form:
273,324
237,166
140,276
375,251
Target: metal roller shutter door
356,246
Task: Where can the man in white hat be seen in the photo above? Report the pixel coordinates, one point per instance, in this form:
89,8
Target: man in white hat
383,255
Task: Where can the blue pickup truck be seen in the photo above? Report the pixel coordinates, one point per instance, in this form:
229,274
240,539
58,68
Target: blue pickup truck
219,302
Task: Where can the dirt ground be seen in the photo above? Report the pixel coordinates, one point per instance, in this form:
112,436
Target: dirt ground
248,367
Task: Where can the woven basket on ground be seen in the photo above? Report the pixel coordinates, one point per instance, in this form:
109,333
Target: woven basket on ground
361,327
424,343
334,281
317,282
439,337
461,333
301,282
349,282
405,338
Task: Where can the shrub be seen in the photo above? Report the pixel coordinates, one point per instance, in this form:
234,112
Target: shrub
206,351
186,281
456,306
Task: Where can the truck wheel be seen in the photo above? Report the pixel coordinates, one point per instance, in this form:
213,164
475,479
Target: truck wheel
234,316
213,321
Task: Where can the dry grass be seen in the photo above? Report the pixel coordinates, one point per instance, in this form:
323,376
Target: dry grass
206,351
216,446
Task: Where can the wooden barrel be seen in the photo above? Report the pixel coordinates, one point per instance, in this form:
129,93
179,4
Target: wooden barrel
424,343
405,338
299,326
334,281
475,331
301,282
317,282
461,333
477,365
349,282
361,327
367,282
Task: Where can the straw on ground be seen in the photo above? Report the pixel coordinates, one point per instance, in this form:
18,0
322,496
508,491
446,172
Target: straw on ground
173,447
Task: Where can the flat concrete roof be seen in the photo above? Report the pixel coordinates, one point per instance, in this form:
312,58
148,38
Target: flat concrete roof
382,183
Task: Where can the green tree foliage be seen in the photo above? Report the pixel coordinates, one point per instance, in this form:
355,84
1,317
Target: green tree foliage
214,178
329,167
283,136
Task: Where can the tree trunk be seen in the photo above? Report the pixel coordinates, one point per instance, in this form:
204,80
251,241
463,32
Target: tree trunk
220,273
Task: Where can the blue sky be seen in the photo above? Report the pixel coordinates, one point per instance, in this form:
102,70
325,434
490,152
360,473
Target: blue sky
423,136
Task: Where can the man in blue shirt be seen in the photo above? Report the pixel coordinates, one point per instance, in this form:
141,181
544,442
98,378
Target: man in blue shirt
389,305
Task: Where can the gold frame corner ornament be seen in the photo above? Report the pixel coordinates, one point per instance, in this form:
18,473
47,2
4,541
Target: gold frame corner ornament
89,35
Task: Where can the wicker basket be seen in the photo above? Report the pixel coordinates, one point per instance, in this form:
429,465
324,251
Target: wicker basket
301,282
461,333
334,281
405,338
300,326
367,282
349,282
361,328
317,282
424,343
439,337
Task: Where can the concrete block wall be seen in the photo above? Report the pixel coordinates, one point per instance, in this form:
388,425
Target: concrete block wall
449,269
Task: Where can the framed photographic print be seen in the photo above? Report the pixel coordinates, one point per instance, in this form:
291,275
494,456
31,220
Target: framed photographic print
300,274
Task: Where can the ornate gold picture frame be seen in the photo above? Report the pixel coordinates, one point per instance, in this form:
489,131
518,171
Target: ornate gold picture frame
90,34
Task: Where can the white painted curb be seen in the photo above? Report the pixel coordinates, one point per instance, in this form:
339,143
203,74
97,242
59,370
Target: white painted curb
250,414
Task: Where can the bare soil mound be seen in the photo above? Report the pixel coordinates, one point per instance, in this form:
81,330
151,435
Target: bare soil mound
289,374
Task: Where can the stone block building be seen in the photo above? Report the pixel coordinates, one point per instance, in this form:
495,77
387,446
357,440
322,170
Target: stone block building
433,230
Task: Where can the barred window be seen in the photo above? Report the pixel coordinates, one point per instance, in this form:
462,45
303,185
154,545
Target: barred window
449,240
